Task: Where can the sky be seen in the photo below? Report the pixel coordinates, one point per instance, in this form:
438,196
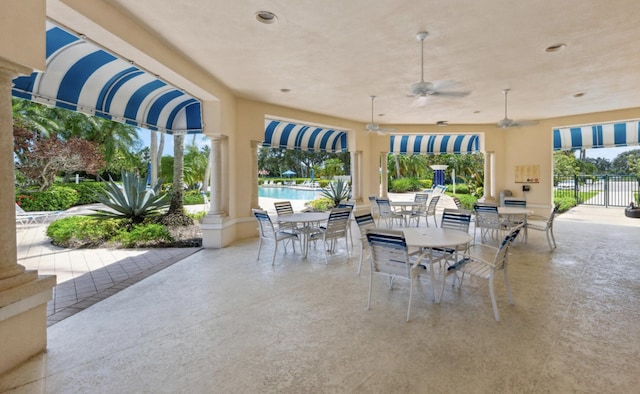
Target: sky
145,136
608,153
201,140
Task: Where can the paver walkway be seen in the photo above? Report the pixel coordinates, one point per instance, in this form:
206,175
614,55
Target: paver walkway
87,276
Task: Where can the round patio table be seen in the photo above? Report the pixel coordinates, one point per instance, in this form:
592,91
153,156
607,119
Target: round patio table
309,221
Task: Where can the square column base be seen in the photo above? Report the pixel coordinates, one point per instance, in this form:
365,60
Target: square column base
23,320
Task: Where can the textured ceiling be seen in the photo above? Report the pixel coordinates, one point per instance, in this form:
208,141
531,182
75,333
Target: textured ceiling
334,54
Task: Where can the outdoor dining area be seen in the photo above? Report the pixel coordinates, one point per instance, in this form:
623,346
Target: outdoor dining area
392,240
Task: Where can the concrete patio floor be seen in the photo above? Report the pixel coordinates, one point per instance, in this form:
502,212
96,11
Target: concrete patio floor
220,321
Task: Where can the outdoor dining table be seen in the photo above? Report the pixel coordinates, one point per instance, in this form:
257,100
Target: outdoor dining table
309,221
516,213
429,238
403,205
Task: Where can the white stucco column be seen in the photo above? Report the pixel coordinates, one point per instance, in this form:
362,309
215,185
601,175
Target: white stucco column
356,176
384,175
23,293
489,176
253,155
217,204
9,266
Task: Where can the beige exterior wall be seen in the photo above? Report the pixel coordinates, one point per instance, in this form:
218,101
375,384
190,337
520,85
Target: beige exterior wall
26,19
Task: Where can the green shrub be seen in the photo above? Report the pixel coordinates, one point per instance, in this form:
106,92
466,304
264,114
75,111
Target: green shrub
467,200
461,188
56,198
564,203
403,185
74,231
144,234
87,191
197,216
320,204
426,183
193,197
83,231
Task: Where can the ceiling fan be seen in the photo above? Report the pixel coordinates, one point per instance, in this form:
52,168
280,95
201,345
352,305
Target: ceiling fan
506,122
374,127
421,90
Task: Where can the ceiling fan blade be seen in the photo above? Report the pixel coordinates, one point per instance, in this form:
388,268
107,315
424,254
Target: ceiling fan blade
524,123
450,94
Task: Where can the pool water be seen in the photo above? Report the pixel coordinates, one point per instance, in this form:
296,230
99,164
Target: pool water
286,193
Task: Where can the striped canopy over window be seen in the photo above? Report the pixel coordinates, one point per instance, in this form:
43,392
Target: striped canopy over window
80,76
607,135
435,144
298,136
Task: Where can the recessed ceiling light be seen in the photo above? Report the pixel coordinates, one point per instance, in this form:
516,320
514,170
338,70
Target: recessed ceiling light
266,17
555,47
285,90
579,94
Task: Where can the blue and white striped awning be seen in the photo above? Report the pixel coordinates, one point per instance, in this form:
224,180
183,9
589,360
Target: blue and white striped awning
83,77
607,135
435,144
298,136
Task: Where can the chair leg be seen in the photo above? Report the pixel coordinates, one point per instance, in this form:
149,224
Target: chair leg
275,250
508,286
550,237
370,285
493,299
410,296
360,259
433,284
259,249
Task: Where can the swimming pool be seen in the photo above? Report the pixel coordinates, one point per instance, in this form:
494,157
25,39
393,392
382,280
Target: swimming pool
286,193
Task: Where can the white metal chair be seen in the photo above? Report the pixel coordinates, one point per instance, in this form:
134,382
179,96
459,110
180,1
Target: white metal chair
487,221
390,258
475,263
511,202
374,207
431,210
540,223
351,205
419,210
336,228
386,213
285,208
457,201
365,222
269,233
454,219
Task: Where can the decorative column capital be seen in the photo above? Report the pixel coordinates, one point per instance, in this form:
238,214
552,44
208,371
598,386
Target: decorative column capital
12,70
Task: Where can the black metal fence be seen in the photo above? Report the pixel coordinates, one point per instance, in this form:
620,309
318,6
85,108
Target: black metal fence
604,190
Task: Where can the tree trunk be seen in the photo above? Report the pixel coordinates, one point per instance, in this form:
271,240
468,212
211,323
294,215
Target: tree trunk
207,175
153,153
160,150
177,202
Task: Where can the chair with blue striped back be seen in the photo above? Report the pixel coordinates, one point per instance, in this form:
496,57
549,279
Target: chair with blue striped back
365,222
390,257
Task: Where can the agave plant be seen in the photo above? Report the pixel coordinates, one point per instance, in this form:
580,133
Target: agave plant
337,191
132,200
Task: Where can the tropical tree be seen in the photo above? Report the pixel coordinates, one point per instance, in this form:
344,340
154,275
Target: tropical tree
196,162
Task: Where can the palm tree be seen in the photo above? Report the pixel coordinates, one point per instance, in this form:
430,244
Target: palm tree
177,195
